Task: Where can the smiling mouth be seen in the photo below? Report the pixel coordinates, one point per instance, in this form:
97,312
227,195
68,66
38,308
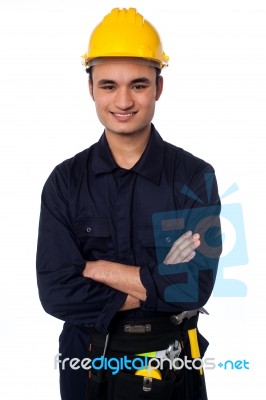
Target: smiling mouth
124,115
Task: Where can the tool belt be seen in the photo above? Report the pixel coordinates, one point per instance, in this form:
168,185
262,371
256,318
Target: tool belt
131,338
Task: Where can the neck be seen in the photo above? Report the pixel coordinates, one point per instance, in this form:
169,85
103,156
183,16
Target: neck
127,149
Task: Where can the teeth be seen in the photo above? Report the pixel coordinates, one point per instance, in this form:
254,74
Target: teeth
123,115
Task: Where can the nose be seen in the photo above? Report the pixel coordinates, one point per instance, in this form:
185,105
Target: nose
124,99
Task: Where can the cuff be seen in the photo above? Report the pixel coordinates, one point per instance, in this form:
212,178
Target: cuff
103,321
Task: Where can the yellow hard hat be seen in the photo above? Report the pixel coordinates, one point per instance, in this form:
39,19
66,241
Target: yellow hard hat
125,33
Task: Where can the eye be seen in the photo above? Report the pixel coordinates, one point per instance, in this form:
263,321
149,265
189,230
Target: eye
108,87
139,87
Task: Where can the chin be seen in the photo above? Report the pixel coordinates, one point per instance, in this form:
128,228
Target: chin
127,130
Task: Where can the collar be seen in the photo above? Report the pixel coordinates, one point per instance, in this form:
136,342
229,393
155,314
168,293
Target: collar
150,164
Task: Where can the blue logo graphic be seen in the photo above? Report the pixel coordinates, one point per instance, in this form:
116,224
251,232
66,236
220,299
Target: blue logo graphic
169,226
234,253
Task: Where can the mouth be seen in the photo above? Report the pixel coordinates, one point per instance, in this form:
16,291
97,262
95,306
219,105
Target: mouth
123,116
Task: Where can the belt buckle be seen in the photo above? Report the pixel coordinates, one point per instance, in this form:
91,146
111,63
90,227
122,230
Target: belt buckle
137,328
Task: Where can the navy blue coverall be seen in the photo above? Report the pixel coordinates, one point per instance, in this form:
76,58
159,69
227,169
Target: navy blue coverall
92,209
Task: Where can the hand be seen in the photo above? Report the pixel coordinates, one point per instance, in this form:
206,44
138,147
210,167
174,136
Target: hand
183,248
89,269
130,303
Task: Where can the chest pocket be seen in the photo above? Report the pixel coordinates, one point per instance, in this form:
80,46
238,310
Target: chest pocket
146,244
156,242
95,238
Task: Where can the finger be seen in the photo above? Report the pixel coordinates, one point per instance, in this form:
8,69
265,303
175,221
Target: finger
182,242
196,239
185,243
196,244
178,255
187,236
196,236
182,254
190,256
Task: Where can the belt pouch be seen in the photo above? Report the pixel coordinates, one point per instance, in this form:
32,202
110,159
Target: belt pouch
97,378
126,386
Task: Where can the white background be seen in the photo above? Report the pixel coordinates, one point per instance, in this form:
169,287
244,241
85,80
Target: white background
213,105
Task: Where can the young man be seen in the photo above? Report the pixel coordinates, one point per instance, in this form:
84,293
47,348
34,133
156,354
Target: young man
128,249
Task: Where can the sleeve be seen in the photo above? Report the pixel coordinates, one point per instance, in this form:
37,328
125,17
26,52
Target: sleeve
186,286
64,292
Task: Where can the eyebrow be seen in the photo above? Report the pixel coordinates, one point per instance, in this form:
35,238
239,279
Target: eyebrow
134,81
141,80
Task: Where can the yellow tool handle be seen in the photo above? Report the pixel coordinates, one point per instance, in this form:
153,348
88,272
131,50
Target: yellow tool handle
194,345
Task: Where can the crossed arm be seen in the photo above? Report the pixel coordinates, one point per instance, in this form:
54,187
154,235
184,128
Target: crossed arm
126,278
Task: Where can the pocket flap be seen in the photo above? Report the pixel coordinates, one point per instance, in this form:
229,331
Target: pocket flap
155,237
92,228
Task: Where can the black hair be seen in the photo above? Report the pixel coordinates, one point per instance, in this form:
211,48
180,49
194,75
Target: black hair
158,73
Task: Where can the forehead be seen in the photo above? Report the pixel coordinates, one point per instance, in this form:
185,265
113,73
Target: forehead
122,69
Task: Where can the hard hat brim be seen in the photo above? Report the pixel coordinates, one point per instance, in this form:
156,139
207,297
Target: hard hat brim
122,60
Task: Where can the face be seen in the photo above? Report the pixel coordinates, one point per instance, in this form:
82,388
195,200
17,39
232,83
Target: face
125,94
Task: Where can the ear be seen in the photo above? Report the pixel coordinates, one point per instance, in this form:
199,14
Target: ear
90,83
159,88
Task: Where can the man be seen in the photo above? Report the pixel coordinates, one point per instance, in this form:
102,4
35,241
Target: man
103,214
